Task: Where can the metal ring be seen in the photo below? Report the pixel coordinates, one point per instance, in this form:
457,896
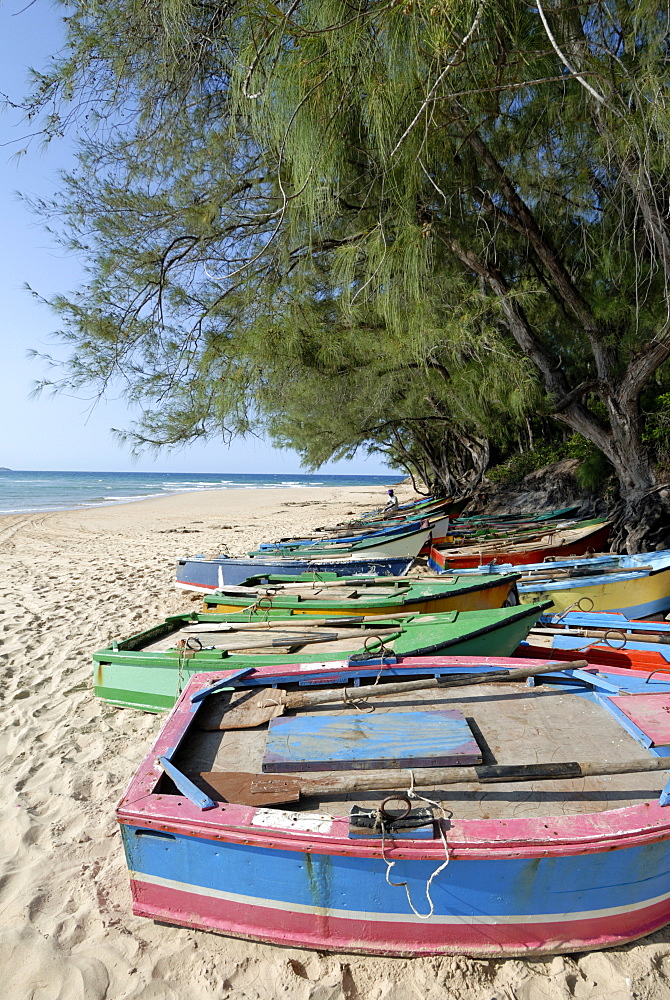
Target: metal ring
379,640
193,638
579,604
614,631
395,798
264,607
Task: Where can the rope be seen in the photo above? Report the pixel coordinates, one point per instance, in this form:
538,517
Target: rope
379,819
181,659
186,648
355,702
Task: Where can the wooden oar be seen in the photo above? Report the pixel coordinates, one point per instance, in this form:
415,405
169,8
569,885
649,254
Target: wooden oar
254,709
364,581
625,632
298,639
306,621
579,573
275,789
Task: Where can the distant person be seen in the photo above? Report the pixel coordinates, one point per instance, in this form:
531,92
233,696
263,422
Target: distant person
392,503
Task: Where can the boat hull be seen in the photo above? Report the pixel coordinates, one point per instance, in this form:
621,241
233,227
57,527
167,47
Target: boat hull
207,575
591,542
513,886
636,597
485,906
397,546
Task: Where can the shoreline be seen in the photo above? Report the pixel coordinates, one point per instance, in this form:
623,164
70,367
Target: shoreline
71,581
223,488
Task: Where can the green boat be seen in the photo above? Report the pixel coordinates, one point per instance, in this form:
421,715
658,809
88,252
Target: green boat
353,596
149,670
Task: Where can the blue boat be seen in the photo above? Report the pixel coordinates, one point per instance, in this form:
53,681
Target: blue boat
205,575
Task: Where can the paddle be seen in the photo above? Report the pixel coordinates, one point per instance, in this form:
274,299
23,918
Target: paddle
298,639
617,632
306,621
578,572
274,789
254,709
363,581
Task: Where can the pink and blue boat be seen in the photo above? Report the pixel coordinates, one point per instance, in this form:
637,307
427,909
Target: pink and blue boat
485,863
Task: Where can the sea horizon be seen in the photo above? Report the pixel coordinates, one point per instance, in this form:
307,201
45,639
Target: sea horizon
25,491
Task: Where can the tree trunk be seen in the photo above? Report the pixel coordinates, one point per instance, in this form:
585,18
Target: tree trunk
642,522
628,454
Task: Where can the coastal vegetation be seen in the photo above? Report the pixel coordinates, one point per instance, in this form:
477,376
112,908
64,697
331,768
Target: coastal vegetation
436,229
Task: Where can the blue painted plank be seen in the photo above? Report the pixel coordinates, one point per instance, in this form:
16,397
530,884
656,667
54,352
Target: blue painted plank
593,680
606,620
394,739
186,786
221,684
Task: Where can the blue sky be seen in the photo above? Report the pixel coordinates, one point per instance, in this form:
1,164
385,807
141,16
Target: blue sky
63,432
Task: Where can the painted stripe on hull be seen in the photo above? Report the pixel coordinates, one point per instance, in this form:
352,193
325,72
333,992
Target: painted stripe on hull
388,934
593,883
402,918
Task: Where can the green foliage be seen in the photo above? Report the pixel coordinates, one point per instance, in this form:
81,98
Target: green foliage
657,428
594,470
519,465
402,227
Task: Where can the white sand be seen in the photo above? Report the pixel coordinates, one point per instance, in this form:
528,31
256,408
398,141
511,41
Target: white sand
70,582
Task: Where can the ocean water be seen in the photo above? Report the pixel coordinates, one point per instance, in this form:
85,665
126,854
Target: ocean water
23,492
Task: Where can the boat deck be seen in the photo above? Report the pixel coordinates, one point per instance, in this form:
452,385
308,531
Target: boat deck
513,724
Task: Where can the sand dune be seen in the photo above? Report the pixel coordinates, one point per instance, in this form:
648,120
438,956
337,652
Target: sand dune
70,582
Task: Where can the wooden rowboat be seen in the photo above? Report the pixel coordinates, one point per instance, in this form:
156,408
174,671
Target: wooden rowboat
360,597
637,585
403,544
149,670
259,833
557,544
205,575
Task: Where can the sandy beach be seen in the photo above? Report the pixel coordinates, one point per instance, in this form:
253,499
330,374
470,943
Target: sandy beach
70,582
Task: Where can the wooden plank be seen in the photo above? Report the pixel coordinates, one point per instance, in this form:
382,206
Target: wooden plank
362,741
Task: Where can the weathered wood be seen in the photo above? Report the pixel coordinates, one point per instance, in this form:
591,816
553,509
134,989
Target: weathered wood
264,789
602,633
580,573
354,622
360,741
299,639
250,709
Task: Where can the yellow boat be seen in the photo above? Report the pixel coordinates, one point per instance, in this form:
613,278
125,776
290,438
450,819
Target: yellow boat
638,585
356,597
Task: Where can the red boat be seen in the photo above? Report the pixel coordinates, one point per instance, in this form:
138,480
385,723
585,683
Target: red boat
560,544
